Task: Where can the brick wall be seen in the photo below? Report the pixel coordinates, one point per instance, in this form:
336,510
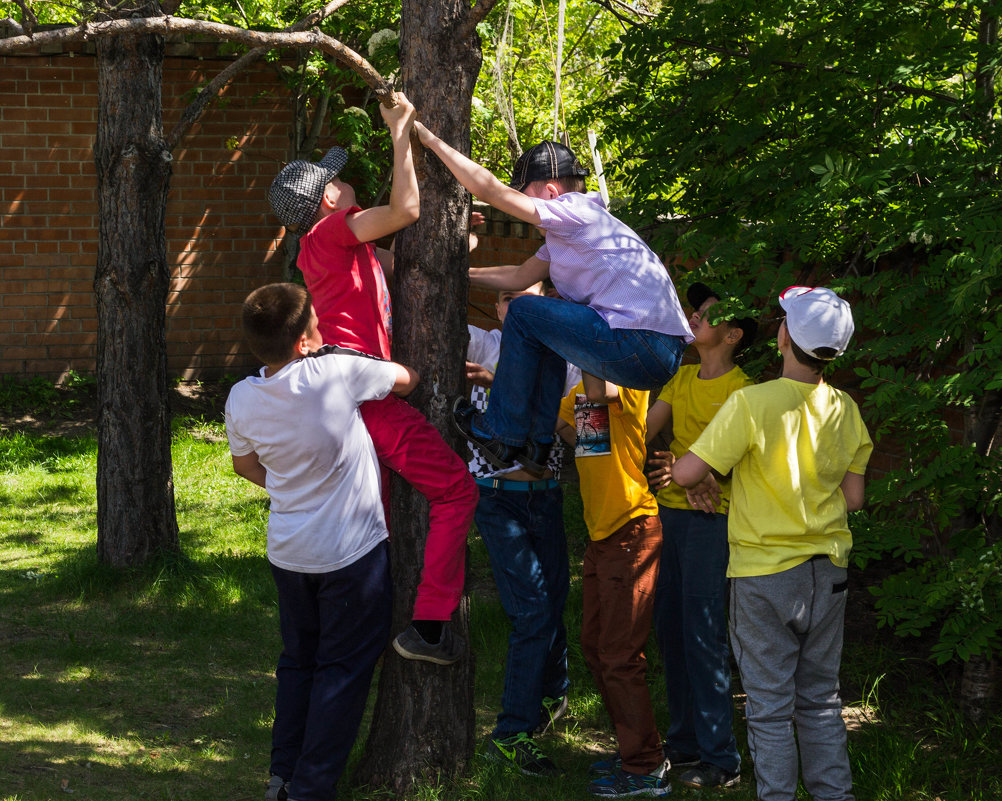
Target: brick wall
221,238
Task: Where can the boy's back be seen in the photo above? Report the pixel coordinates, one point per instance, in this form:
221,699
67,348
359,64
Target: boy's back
790,444
303,423
599,261
348,286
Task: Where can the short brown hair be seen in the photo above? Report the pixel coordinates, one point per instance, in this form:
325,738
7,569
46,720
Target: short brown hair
806,359
568,183
275,316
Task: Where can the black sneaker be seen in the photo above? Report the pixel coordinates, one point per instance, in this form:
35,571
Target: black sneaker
707,775
552,710
679,759
411,645
520,750
495,451
534,456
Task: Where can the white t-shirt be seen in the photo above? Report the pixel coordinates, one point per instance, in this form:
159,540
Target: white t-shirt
323,478
599,261
485,349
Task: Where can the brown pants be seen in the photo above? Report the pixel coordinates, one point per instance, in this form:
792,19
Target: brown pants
620,573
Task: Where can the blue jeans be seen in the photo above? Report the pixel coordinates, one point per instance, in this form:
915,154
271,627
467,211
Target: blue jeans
540,334
690,622
334,627
524,535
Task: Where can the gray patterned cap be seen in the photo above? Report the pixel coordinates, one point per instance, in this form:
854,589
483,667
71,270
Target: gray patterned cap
297,190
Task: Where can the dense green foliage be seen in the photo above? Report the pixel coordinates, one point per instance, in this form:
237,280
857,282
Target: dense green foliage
853,144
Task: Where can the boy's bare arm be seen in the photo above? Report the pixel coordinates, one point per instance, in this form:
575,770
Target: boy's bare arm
853,489
405,381
479,180
689,470
249,466
658,421
598,390
566,432
405,205
515,277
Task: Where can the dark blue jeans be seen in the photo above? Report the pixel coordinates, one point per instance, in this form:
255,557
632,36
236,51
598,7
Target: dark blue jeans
334,627
524,535
690,622
540,334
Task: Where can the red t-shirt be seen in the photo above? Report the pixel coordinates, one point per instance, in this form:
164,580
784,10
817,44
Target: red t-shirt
348,286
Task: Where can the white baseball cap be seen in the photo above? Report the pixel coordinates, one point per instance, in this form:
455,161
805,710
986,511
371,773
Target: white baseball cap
817,318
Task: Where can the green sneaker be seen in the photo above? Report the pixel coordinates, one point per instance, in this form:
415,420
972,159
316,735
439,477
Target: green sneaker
519,750
552,710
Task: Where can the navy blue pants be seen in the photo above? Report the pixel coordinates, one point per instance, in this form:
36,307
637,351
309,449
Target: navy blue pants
334,627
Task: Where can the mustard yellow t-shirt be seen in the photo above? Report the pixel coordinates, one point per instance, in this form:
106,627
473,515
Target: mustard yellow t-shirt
610,457
694,401
790,444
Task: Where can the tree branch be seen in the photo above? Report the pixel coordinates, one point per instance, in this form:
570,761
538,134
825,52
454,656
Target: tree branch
165,26
209,92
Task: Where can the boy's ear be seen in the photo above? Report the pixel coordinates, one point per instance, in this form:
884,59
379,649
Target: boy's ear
302,346
552,190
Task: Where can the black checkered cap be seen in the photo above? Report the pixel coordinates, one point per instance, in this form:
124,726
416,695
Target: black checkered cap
544,162
297,190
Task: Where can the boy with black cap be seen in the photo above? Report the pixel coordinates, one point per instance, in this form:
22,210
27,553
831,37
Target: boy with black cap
690,603
345,274
618,317
798,449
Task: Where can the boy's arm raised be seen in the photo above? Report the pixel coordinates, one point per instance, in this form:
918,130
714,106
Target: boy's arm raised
405,205
479,180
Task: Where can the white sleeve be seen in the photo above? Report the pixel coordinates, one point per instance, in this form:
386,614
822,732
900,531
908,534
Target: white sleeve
238,445
366,378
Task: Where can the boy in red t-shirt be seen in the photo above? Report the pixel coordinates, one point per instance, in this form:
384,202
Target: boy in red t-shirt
344,272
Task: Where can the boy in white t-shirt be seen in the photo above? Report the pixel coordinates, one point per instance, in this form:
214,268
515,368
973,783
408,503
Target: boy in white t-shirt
296,431
618,316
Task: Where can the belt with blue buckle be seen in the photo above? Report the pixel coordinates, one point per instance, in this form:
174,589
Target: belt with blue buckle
519,486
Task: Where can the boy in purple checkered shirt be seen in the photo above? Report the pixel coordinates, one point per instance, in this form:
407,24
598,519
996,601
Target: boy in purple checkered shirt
618,316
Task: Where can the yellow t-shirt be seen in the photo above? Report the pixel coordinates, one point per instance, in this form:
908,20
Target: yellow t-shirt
610,457
694,401
790,444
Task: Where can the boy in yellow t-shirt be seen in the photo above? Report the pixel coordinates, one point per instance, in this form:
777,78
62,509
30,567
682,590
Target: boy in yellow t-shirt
618,577
798,449
690,604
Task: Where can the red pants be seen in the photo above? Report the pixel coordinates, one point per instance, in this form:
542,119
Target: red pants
410,446
618,580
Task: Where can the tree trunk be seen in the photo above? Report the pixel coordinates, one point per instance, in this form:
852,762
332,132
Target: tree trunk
423,720
135,486
977,689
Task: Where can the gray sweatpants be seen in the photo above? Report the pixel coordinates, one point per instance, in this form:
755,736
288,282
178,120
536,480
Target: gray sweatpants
786,634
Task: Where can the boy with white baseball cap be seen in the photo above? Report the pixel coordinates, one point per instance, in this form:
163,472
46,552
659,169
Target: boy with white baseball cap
798,449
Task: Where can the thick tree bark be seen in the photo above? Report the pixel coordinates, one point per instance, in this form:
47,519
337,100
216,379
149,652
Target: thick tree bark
135,486
423,720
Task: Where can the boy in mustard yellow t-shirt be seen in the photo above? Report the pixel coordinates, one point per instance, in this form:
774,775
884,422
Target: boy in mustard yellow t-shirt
798,449
690,604
618,577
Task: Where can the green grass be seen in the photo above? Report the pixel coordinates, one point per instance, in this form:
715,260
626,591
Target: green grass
158,683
